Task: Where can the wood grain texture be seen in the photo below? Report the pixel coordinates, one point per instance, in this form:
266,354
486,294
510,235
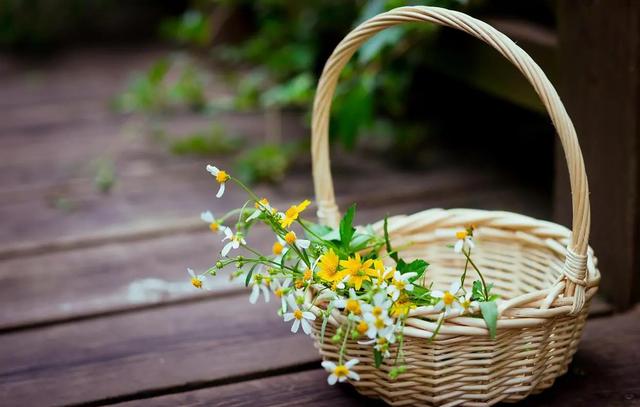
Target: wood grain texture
600,65
169,347
603,374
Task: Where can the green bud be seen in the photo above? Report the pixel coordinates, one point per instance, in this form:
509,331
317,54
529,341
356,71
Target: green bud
219,264
354,334
335,338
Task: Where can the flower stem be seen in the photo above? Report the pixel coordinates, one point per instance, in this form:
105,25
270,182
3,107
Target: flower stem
484,284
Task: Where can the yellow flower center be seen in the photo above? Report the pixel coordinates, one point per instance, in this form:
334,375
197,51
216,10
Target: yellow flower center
277,248
461,235
448,298
466,304
379,323
377,311
297,314
214,226
290,237
299,284
279,292
382,341
341,371
353,306
362,327
399,285
307,275
196,282
222,176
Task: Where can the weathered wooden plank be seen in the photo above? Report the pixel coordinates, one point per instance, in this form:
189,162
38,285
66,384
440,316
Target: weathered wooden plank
163,348
604,373
600,63
308,388
182,192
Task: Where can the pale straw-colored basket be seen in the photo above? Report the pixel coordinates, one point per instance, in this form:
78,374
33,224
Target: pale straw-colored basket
544,273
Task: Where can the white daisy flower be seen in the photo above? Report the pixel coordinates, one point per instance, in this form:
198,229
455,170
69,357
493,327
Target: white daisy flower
221,176
234,241
197,280
399,284
260,283
448,299
464,241
214,224
300,318
340,373
281,290
467,304
351,304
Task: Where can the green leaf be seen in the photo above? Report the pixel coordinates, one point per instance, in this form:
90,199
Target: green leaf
477,291
377,357
490,315
346,227
417,266
249,274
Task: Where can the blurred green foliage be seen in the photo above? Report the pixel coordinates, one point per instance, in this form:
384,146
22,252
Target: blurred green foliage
211,142
276,66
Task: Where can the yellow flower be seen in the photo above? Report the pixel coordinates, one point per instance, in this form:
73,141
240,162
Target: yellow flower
328,265
308,275
401,308
277,248
358,270
292,213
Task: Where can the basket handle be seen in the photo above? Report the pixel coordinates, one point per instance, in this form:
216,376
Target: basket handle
328,213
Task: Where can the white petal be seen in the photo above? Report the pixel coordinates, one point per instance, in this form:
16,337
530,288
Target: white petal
235,244
351,363
309,315
213,170
295,326
306,327
226,248
288,316
254,215
407,276
342,379
228,234
437,294
332,379
455,286
220,190
439,306
458,246
470,243
255,292
353,375
207,217
191,273
266,294
328,365
302,243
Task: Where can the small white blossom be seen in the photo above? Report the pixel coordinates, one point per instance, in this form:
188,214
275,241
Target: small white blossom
399,284
260,283
221,176
300,318
340,373
448,299
234,241
197,280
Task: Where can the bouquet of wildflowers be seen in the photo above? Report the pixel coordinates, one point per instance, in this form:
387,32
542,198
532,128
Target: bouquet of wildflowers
350,276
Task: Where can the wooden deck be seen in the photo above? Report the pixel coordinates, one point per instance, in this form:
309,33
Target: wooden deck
95,305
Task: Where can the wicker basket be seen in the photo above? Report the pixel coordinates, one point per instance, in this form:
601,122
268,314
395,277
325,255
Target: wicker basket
545,274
